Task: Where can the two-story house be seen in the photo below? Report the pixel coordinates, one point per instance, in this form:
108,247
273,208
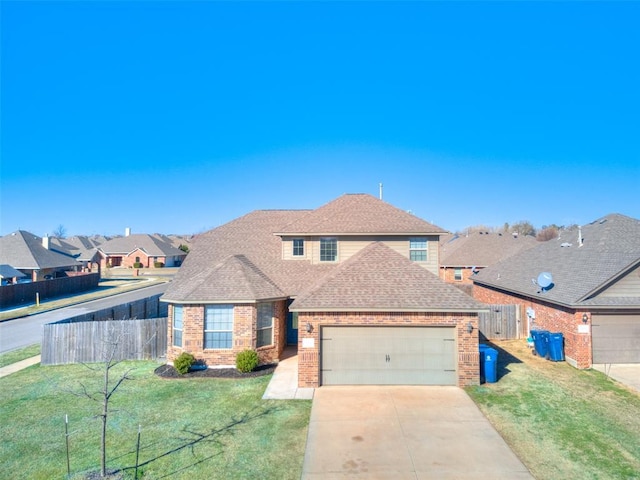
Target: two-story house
354,284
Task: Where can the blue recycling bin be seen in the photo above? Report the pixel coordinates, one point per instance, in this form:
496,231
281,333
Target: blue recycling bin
490,365
482,348
541,342
556,347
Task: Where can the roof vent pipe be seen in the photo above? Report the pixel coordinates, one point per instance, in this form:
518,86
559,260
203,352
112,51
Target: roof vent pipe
127,231
579,236
380,190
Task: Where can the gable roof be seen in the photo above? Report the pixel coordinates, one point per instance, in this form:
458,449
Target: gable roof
152,246
610,248
481,249
379,279
23,250
355,214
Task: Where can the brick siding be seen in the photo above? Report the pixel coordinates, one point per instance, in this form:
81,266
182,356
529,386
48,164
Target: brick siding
548,316
244,335
448,275
309,357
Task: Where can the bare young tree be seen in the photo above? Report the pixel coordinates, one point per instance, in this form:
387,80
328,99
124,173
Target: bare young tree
104,394
59,232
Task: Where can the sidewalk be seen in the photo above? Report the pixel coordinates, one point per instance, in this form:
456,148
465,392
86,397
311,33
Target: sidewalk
14,367
284,383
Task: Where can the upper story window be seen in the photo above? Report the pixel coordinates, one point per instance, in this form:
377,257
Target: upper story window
177,325
265,324
218,326
457,274
328,249
418,249
298,247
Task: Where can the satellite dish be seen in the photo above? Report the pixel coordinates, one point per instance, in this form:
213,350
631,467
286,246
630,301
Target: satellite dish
545,279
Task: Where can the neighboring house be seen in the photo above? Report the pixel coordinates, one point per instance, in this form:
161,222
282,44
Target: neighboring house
176,240
32,256
82,248
590,290
145,249
461,256
353,284
9,275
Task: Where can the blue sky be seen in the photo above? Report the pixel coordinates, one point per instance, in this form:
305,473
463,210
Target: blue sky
178,117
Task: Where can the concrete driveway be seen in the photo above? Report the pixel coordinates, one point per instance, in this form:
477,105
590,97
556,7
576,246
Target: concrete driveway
415,433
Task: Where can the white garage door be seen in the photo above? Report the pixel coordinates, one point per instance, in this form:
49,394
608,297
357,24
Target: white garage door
388,356
616,338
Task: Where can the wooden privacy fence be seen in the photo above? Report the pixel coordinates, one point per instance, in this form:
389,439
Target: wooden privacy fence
23,293
86,342
502,322
150,307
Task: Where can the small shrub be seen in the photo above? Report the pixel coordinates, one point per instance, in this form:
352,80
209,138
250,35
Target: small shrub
184,362
158,264
247,361
137,265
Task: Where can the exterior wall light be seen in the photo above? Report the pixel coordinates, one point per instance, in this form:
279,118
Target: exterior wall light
585,318
469,328
309,327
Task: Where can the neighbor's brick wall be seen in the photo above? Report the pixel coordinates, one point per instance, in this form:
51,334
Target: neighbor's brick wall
577,346
448,275
309,358
244,335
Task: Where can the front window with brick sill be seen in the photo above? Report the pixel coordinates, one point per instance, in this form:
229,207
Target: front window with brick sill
218,327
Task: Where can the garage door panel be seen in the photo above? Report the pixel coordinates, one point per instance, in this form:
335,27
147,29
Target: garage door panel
388,356
616,338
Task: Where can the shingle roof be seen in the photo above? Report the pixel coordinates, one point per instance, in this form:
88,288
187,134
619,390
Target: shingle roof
250,236
7,271
357,214
378,278
23,250
482,249
611,247
152,245
222,259
236,280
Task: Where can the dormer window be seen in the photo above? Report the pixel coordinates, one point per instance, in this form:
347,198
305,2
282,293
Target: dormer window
298,247
418,249
328,249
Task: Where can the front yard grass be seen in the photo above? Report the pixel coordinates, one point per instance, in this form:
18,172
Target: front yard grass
19,354
563,423
191,428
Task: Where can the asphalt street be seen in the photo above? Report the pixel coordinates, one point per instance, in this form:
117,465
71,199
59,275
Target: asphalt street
26,331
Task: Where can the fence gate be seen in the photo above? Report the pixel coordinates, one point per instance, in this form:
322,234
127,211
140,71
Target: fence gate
502,322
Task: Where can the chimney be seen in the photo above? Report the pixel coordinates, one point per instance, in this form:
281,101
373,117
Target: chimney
127,231
45,242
